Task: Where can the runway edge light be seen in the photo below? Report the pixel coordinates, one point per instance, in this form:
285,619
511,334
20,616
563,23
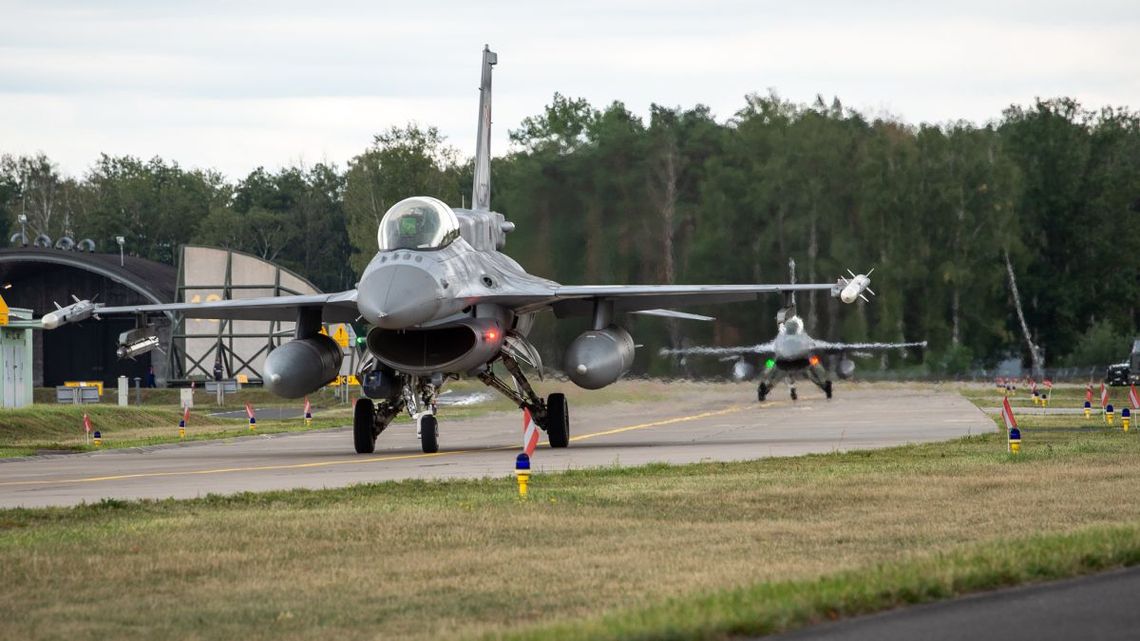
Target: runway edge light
1088,409
98,438
1125,418
1109,413
1015,441
522,473
182,422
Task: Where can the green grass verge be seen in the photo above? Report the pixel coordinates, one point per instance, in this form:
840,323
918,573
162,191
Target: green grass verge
775,607
1067,395
59,428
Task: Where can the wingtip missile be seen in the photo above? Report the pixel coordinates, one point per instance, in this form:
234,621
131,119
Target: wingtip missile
854,287
78,311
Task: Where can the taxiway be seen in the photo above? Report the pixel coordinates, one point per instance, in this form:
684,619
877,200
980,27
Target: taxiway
720,425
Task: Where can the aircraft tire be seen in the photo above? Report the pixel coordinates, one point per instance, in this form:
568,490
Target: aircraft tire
827,389
429,434
557,420
761,392
363,432
793,394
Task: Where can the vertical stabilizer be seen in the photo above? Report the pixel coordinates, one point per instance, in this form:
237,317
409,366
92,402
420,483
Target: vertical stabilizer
481,188
789,309
791,301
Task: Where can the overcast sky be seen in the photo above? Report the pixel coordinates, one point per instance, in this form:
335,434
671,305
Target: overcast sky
236,85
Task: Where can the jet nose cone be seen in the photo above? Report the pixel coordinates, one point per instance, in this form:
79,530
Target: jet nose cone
398,296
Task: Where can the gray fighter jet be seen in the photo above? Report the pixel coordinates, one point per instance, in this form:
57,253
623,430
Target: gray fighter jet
443,301
793,353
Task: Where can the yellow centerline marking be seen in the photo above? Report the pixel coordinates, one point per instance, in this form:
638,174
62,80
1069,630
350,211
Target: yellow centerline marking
669,421
375,459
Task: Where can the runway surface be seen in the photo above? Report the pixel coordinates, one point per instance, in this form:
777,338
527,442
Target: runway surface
1096,607
716,424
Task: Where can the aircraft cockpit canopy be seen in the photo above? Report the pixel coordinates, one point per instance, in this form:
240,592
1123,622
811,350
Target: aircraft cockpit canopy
793,325
418,223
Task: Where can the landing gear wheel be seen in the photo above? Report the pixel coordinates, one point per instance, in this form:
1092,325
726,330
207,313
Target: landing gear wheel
429,434
363,426
827,388
557,420
761,392
793,393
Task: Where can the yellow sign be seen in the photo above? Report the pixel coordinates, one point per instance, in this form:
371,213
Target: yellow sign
98,384
3,311
243,379
342,380
341,336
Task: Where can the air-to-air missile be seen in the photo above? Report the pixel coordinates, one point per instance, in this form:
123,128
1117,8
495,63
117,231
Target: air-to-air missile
80,310
855,287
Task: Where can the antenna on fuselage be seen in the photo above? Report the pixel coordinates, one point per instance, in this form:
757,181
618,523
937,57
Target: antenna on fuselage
481,186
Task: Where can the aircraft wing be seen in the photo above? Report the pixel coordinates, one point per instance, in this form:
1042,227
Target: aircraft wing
762,349
579,300
338,308
836,348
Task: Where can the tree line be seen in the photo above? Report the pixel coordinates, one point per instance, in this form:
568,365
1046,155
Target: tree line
954,217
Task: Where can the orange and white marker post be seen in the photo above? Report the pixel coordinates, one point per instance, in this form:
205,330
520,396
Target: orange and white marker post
1134,398
530,433
522,461
308,412
87,428
1013,435
252,418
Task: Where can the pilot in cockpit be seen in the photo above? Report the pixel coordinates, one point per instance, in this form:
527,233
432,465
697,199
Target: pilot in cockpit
416,229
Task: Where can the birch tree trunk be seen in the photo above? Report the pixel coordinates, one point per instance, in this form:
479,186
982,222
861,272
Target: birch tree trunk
1034,350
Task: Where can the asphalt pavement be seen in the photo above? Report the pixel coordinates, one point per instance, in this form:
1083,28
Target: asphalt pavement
1100,607
723,423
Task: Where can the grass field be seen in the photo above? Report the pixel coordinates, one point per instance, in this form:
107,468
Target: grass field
59,428
687,552
1062,395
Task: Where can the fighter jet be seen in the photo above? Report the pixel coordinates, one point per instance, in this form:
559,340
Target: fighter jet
442,301
793,353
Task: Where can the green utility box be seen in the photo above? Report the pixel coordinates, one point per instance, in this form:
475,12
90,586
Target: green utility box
16,358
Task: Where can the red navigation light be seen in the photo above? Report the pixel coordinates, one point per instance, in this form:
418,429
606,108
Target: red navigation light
491,335
814,360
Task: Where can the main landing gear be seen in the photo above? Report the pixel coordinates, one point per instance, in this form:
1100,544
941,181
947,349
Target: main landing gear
369,419
553,415
822,384
417,396
764,388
